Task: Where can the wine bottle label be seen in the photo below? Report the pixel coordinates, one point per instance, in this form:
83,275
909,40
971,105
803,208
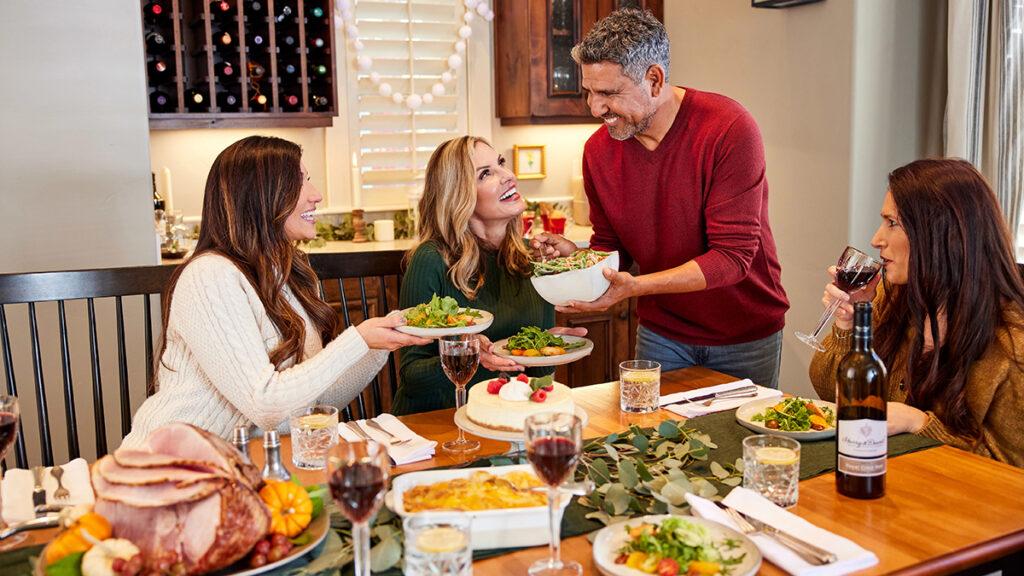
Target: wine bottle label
862,466
862,446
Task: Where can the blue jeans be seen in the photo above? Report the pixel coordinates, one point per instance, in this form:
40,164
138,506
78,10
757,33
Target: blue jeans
758,360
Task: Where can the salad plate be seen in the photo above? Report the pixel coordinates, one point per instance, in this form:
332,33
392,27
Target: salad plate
535,347
444,317
739,554
755,415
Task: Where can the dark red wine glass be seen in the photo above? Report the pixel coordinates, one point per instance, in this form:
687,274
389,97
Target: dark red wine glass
358,476
460,357
9,417
854,270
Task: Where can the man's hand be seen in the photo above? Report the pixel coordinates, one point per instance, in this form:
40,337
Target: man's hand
545,245
623,285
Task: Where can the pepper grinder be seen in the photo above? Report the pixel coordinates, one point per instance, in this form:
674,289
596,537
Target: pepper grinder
240,440
273,468
359,225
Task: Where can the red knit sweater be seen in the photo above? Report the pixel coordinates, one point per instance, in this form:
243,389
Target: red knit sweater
700,195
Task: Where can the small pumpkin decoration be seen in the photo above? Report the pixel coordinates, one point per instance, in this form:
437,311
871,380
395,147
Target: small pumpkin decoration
72,540
291,508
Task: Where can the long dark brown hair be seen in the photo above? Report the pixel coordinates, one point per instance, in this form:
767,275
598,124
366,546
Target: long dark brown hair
961,264
252,188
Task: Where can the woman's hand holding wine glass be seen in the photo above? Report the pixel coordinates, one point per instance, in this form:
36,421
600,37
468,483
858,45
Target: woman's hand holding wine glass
854,271
844,313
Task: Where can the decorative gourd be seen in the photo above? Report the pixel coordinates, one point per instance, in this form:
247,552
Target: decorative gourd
99,560
291,508
72,540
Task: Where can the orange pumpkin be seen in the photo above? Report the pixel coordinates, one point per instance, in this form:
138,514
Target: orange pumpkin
291,509
72,540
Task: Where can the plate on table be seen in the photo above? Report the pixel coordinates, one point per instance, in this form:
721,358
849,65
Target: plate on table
746,412
467,425
479,325
318,529
571,355
611,538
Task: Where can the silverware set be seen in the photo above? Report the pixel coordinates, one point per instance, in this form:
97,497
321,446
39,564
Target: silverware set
750,526
392,439
42,510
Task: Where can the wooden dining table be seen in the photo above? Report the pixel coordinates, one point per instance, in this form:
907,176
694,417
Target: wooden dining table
944,510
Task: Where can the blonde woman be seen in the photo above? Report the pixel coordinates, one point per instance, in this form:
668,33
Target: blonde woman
471,248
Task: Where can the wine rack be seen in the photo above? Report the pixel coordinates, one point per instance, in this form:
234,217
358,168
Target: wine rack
239,63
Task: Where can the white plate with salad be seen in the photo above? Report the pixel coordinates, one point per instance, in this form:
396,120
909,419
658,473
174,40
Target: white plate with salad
797,418
444,317
669,545
532,346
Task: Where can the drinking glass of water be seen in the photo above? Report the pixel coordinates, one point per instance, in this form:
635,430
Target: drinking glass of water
314,433
438,544
639,386
771,467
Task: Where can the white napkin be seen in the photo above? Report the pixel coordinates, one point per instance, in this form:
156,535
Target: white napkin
677,402
419,448
851,556
18,484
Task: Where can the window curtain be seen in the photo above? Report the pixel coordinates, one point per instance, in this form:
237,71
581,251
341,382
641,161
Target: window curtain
985,102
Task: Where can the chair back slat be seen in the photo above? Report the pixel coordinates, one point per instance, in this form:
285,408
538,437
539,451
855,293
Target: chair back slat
392,370
20,456
344,304
37,368
148,316
375,393
99,418
122,370
69,390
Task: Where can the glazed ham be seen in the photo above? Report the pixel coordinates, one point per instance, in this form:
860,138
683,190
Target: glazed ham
188,498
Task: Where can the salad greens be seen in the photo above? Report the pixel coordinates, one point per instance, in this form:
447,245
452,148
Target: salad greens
676,546
441,313
576,261
533,338
796,415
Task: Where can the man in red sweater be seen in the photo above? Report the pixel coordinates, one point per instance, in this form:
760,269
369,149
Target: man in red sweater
676,183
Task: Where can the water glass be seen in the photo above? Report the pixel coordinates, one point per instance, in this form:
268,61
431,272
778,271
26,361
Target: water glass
639,386
314,433
438,545
771,467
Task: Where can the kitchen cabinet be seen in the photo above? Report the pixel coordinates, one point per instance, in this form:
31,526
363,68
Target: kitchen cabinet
614,335
536,79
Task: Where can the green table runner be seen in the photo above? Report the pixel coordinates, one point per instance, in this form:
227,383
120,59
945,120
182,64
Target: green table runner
816,458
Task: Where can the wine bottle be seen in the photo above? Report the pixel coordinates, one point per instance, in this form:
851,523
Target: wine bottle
257,40
225,70
861,438
319,102
316,11
156,43
222,10
195,101
318,70
287,68
289,40
256,70
255,7
157,11
223,37
228,101
159,70
259,102
291,102
285,12
160,101
316,42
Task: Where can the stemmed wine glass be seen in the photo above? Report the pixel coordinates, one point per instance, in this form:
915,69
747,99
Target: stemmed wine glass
554,442
358,478
9,416
854,271
460,356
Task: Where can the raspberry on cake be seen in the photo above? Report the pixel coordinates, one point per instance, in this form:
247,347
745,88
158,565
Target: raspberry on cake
506,405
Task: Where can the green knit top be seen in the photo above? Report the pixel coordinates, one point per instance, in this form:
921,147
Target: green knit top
512,299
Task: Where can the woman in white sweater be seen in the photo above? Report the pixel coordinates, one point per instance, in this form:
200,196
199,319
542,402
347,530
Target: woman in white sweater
245,332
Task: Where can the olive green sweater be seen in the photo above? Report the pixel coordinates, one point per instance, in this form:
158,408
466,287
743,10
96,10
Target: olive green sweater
995,389
512,299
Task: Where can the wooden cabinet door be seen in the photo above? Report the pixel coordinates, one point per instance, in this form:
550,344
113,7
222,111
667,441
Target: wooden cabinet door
611,333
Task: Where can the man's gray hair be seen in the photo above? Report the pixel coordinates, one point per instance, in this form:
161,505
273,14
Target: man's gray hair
631,38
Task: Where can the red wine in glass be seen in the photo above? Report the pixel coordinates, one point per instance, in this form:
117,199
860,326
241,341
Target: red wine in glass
554,459
357,489
8,430
853,279
460,356
854,270
459,368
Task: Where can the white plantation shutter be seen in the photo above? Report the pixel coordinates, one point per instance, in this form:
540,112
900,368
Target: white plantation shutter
409,42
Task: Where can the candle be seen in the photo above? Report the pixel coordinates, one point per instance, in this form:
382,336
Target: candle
168,194
357,188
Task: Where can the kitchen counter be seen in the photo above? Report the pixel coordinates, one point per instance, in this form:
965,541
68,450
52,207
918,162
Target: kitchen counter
578,234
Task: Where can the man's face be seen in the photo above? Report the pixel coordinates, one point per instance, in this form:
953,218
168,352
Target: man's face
625,106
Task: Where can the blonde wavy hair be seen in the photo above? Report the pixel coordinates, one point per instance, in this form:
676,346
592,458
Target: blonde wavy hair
448,203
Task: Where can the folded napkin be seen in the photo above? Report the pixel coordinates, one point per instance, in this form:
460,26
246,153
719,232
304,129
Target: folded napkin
677,402
18,484
851,556
418,448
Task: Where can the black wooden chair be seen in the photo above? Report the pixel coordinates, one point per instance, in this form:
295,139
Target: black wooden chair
29,291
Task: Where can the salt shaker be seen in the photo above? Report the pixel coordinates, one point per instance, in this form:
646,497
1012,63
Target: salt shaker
240,440
273,468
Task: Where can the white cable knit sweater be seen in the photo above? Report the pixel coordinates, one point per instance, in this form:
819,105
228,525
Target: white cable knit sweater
216,371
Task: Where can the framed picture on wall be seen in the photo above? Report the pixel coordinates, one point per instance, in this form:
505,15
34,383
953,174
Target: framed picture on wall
528,162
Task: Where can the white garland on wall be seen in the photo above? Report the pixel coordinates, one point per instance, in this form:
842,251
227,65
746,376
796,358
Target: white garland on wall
345,18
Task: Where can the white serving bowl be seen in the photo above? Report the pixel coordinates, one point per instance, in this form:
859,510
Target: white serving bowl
584,285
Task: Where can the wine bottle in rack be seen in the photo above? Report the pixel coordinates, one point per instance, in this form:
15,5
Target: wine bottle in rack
286,12
316,16
160,101
257,40
224,36
156,43
222,10
229,101
160,70
291,101
288,67
157,11
256,70
316,43
319,102
318,70
196,101
254,7
259,103
288,40
315,11
225,71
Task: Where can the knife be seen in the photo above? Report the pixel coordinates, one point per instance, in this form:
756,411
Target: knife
720,394
797,544
33,524
38,492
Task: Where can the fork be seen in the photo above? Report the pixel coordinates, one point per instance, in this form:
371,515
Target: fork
812,554
355,428
61,493
394,440
717,398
